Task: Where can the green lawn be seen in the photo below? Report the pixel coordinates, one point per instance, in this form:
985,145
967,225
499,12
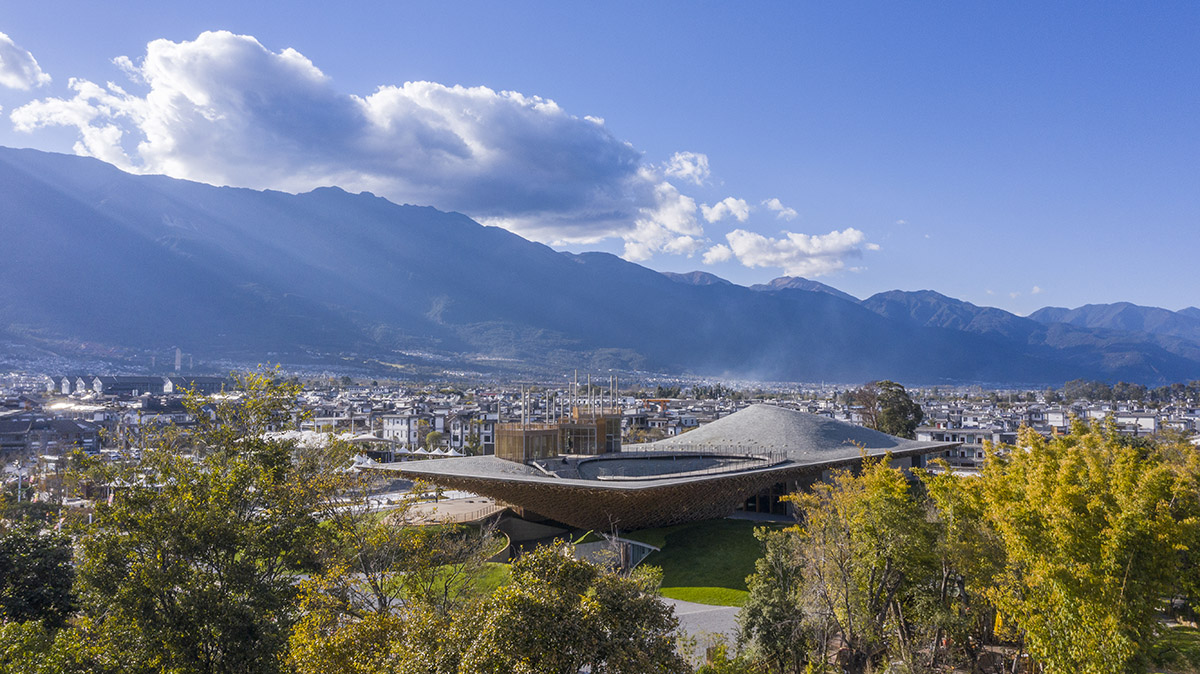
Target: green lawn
704,562
1177,651
493,576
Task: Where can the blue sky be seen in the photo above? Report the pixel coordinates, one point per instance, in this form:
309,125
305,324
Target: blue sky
1011,155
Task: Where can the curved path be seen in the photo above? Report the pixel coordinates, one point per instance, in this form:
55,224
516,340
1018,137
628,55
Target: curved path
700,621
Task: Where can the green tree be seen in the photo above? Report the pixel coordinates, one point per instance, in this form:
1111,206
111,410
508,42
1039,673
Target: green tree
1095,533
387,593
190,569
866,549
331,636
556,615
970,555
886,406
472,444
376,562
773,621
559,615
31,648
36,575
433,440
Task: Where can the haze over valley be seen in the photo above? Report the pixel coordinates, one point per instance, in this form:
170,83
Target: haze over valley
132,265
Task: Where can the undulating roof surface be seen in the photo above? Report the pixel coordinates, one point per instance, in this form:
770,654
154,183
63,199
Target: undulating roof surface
794,444
805,437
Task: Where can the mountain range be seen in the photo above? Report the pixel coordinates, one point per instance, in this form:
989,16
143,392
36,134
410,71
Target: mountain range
98,257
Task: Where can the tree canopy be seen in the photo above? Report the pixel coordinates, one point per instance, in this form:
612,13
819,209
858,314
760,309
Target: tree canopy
886,406
1062,550
231,549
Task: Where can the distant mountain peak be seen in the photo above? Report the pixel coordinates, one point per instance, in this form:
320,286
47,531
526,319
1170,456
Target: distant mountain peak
233,274
929,308
800,283
696,278
1127,317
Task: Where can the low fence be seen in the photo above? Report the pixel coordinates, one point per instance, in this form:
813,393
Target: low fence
735,458
769,453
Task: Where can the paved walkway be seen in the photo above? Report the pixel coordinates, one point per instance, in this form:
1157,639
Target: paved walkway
702,622
452,510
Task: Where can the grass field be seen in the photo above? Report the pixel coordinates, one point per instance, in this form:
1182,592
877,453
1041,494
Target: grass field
704,562
493,576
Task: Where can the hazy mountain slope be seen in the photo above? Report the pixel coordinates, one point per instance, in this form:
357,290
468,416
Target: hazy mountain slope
95,254
1119,354
696,278
798,283
932,309
1126,317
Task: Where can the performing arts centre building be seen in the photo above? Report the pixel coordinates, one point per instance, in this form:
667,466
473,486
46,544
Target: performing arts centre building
576,474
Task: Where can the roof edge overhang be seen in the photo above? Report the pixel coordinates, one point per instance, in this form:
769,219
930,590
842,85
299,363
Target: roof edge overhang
427,470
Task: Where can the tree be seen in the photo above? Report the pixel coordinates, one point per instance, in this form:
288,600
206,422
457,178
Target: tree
329,638
886,406
190,569
773,621
865,548
36,576
387,592
376,561
433,440
32,648
556,615
423,430
560,615
1095,533
958,618
472,443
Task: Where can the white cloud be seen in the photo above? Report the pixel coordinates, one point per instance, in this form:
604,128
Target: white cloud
1037,290
718,253
18,68
226,110
729,206
782,212
690,167
902,222
798,254
669,226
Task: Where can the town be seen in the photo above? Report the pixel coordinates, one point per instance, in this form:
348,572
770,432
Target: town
43,418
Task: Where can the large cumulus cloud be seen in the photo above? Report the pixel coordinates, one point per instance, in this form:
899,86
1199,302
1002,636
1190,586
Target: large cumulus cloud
224,109
18,68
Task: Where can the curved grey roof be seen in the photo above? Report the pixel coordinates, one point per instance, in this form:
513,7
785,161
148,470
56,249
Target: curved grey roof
803,436
802,444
